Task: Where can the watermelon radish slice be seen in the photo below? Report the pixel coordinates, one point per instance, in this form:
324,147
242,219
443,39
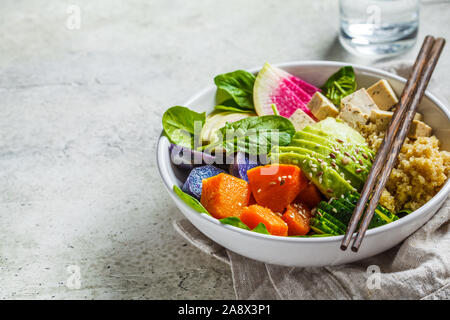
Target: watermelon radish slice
275,86
305,86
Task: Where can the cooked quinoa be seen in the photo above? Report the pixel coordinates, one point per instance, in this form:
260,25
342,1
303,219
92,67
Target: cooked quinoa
419,174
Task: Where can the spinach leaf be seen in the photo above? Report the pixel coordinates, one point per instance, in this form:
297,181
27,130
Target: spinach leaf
254,135
340,84
180,124
189,200
225,108
235,89
261,228
235,222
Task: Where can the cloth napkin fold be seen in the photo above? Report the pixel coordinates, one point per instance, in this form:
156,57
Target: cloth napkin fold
418,268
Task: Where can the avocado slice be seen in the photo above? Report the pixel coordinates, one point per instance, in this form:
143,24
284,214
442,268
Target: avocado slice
339,129
347,169
353,150
326,179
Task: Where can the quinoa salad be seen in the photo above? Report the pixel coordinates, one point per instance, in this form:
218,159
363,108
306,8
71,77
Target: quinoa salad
280,156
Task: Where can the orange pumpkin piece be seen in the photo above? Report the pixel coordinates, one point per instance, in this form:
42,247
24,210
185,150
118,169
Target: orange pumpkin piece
224,195
252,199
255,214
297,217
310,196
275,186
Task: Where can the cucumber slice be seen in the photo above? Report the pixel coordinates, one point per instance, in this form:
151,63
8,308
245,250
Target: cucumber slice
322,226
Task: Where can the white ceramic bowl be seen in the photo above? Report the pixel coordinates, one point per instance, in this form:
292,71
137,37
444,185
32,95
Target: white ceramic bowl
290,251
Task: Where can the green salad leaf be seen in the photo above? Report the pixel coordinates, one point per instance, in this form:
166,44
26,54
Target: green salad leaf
235,222
225,108
235,89
340,85
179,125
254,135
261,228
190,201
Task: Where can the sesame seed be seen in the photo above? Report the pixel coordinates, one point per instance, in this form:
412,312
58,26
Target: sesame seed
360,162
365,156
320,173
259,190
330,191
358,170
334,210
289,177
339,140
332,155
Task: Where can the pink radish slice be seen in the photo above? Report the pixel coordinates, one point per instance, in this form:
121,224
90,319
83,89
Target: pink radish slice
270,88
302,95
305,86
287,102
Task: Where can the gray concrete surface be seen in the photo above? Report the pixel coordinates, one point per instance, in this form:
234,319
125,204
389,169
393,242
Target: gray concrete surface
80,114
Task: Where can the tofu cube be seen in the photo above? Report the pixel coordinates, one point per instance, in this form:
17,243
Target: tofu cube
419,129
361,100
383,95
300,120
382,118
321,107
353,116
356,108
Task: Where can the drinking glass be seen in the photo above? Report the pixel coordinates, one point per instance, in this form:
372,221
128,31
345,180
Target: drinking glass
378,27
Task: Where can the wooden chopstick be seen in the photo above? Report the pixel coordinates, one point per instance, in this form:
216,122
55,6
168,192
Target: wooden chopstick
400,139
389,137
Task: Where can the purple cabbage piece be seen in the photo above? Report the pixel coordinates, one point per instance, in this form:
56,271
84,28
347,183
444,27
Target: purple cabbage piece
193,184
187,159
241,165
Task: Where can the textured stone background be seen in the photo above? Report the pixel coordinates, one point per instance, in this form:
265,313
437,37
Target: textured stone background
80,114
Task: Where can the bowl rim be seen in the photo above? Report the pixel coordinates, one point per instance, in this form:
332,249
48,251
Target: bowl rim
437,198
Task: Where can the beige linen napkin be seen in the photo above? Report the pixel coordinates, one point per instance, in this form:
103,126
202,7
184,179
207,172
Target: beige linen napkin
418,268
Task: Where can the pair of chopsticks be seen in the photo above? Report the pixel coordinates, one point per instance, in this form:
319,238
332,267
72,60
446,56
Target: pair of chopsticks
394,138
